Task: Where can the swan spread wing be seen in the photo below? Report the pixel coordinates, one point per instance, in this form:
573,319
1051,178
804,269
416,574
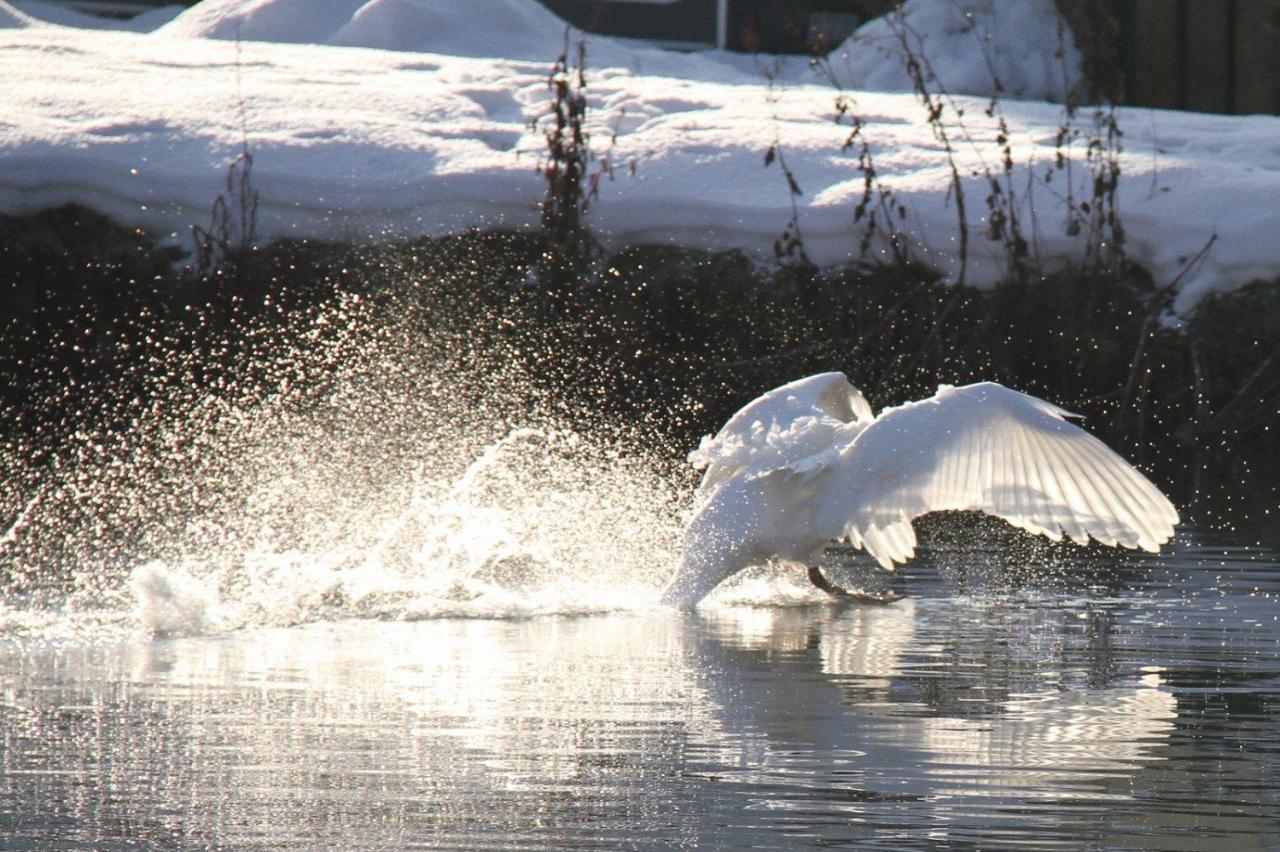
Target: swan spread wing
984,447
796,426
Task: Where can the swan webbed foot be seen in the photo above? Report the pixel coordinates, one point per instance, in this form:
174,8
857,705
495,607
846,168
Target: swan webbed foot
819,579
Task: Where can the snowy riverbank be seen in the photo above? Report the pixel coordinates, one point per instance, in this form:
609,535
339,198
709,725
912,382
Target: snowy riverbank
358,143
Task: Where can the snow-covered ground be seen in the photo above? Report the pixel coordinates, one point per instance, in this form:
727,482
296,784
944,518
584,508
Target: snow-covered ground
388,118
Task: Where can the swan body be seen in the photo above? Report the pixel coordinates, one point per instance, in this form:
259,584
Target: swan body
808,463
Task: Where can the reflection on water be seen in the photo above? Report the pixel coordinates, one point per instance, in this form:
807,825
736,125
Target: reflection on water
1145,716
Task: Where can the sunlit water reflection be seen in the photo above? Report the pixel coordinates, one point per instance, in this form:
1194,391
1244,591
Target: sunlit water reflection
1134,704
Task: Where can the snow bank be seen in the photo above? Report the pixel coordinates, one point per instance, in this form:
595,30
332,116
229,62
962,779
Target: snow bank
504,29
513,29
363,144
288,21
968,45
56,13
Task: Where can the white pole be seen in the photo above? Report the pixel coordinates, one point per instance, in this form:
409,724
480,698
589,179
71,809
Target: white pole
722,24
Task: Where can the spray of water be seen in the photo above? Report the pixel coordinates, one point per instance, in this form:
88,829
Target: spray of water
361,467
370,455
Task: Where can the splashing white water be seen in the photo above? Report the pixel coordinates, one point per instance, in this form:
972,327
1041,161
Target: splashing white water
388,491
171,602
540,522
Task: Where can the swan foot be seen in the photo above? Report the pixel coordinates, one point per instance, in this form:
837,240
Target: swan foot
818,579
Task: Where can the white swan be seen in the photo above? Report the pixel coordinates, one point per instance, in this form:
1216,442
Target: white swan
809,462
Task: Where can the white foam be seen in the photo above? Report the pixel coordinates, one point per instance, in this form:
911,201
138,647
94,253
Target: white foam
171,602
539,523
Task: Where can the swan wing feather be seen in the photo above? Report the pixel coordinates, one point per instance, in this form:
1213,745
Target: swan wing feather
797,426
986,448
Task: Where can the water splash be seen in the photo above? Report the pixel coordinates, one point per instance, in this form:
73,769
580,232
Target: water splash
540,522
172,602
374,474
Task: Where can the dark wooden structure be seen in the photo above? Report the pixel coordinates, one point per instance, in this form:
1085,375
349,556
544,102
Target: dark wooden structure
767,26
1202,55
679,23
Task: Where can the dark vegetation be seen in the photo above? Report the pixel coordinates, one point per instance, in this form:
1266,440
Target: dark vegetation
99,328
570,188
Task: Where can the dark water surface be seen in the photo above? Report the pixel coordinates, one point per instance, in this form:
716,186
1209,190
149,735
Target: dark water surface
1119,703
